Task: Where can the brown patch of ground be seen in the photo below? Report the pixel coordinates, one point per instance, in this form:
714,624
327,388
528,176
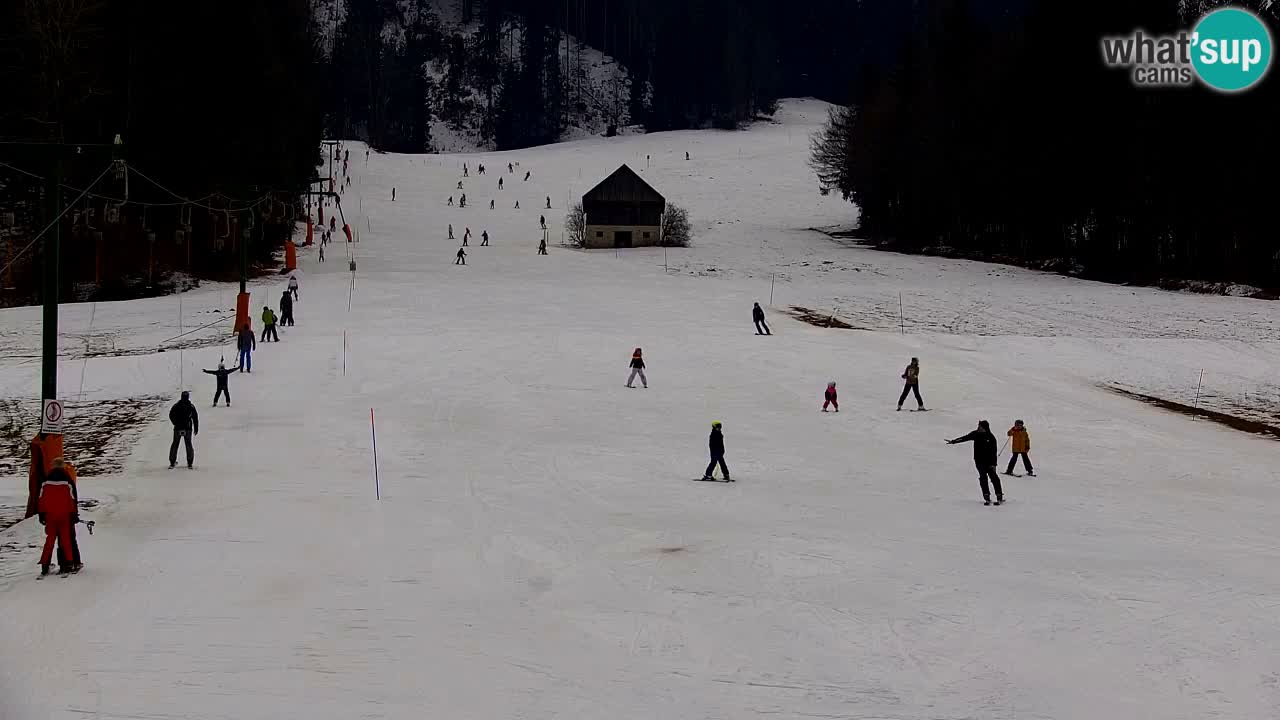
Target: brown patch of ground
817,319
1232,421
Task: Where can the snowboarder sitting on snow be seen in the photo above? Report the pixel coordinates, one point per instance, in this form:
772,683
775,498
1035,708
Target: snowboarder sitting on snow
716,442
637,368
286,308
462,257
912,377
757,314
59,515
246,344
186,422
293,285
221,374
268,325
1021,440
830,397
984,458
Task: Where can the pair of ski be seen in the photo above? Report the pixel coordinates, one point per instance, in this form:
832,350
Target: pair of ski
713,479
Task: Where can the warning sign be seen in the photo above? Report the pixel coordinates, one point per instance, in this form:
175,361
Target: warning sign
51,419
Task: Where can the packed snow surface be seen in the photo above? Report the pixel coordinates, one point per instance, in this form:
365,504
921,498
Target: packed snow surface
540,549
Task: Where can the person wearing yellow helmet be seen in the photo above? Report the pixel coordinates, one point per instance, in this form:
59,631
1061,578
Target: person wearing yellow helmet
716,443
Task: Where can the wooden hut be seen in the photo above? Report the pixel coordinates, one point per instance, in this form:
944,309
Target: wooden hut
623,211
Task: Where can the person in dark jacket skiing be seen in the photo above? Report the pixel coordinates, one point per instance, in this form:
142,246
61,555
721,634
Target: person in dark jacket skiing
462,257
637,368
542,246
59,514
246,343
527,174
548,202
984,457
757,314
911,376
221,374
186,422
716,443
286,308
484,239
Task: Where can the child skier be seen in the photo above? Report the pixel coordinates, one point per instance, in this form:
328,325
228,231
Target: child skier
830,397
984,458
293,286
462,257
716,445
221,374
58,514
912,377
548,202
1021,441
637,368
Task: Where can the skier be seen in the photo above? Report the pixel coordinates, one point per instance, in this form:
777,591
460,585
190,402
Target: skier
548,202
984,457
59,514
293,286
526,175
246,344
517,205
510,168
499,183
221,374
484,238
542,246
346,157
393,194
830,397
542,220
462,201
333,223
490,204
450,231
459,184
450,201
186,422
637,368
268,325
462,257
757,314
482,169
286,309
466,235
322,252
464,170
716,443
1021,446
912,377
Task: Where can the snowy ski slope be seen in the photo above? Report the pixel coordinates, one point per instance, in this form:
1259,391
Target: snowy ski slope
540,550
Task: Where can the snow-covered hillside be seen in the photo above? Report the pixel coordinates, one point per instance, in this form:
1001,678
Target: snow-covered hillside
540,550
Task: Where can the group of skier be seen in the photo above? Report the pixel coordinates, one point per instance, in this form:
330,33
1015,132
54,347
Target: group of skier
460,257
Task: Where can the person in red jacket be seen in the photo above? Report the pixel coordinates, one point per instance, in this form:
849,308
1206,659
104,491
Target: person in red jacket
830,397
58,514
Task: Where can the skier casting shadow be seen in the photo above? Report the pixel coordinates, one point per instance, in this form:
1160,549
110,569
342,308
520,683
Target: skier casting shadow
757,314
716,443
912,378
984,458
186,422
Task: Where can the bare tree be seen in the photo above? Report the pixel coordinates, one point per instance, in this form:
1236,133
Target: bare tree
675,227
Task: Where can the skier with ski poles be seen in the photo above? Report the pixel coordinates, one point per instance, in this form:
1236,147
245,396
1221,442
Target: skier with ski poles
757,315
221,374
1021,446
984,458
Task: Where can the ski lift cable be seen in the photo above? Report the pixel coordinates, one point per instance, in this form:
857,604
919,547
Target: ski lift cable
66,209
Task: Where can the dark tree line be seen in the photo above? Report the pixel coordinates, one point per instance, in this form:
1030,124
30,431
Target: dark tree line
217,101
994,129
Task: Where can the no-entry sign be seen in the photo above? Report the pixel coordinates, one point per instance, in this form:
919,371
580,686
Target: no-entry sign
51,418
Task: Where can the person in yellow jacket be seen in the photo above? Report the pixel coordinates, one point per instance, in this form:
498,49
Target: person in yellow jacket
1020,439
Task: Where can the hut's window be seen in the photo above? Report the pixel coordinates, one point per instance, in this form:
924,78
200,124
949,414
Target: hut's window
599,233
646,235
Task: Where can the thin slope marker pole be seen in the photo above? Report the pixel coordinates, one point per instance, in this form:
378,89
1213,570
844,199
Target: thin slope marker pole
377,484
344,353
773,277
1198,384
902,322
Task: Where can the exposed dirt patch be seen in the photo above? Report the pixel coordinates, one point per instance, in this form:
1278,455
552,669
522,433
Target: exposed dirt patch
100,432
670,550
815,318
1232,421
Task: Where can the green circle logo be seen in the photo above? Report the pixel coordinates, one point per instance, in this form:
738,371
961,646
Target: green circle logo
1231,49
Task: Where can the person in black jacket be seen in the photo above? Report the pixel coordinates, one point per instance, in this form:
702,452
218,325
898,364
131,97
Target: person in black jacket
186,422
286,308
757,314
246,343
221,374
716,443
984,457
637,368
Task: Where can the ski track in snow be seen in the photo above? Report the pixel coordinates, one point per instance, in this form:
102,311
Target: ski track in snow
540,550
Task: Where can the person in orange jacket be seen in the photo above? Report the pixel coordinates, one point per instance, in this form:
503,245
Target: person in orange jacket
829,397
1021,441
59,515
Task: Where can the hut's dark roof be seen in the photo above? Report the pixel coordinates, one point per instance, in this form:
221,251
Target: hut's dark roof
624,185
